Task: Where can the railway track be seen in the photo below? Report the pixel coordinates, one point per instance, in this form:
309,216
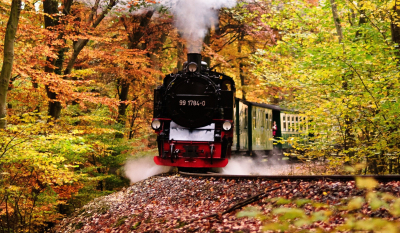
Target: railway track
293,177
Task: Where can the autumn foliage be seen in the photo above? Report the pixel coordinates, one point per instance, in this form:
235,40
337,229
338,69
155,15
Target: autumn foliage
342,71
79,99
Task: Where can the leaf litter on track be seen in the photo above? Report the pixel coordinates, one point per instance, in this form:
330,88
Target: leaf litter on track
185,204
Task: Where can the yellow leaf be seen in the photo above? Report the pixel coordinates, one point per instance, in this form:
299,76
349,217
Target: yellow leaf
366,183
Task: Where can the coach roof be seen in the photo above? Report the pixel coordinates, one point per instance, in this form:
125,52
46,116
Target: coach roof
269,106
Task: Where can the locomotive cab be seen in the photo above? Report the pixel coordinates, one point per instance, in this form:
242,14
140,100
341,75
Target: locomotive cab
193,116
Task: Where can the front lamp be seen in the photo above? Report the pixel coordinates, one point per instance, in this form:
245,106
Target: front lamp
192,67
156,124
227,125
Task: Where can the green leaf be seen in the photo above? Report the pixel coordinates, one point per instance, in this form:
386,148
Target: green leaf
276,226
320,216
302,222
355,203
289,213
250,212
374,224
377,203
281,201
302,202
395,208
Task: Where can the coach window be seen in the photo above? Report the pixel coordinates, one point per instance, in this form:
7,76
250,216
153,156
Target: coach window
258,118
270,120
291,120
305,124
266,120
262,120
246,119
293,123
284,123
255,118
300,125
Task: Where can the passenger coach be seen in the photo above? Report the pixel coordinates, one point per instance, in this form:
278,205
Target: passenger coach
254,131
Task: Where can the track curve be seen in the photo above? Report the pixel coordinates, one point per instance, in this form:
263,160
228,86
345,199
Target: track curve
294,177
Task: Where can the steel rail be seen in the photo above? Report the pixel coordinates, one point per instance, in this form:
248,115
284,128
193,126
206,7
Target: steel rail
294,177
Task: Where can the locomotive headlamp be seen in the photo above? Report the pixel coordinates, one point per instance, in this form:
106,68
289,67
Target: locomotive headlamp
192,67
227,125
156,124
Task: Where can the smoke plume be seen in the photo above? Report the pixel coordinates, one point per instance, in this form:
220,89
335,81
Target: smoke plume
142,168
193,18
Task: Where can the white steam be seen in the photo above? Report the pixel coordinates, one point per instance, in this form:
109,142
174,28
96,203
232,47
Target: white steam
251,166
142,168
193,18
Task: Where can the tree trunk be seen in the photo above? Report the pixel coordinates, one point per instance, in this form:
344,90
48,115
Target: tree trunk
395,28
123,96
363,20
134,40
8,58
336,20
180,47
50,7
348,141
78,46
155,61
207,41
241,67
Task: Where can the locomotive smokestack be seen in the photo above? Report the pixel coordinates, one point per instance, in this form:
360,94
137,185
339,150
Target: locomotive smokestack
194,58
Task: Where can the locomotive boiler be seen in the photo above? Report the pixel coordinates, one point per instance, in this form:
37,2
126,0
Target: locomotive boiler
193,117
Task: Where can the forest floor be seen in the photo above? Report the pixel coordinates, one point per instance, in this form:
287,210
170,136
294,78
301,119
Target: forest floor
172,203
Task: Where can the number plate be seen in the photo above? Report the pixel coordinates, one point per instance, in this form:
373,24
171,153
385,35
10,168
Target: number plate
201,103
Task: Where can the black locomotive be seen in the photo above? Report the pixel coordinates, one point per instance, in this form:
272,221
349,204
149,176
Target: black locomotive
193,116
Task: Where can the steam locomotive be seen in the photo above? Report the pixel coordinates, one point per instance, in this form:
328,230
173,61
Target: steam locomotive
194,115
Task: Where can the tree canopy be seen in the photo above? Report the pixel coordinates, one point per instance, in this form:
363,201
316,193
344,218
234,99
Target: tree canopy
77,84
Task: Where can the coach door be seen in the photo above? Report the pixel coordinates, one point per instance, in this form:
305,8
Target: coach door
243,126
